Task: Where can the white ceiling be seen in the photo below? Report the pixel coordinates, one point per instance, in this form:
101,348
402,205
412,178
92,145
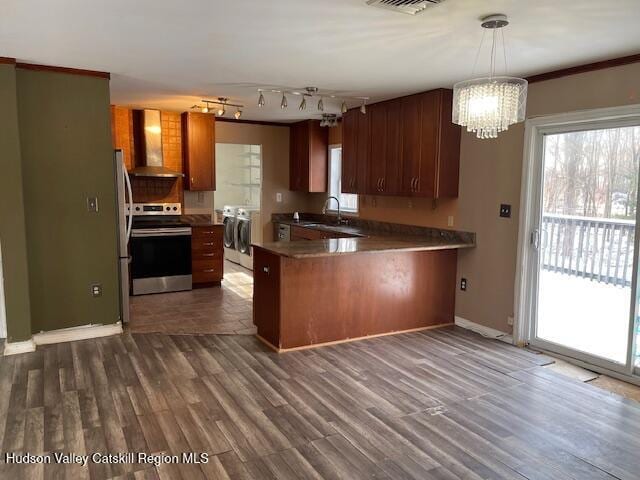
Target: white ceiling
170,54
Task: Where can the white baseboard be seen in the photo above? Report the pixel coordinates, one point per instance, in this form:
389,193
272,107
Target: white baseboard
77,333
13,348
481,329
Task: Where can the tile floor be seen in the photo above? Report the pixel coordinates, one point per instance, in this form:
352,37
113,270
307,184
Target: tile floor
217,310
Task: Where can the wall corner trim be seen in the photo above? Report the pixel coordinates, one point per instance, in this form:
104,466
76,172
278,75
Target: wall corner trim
481,329
83,332
13,348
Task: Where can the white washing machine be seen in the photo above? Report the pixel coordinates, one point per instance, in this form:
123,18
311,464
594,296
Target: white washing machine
248,231
229,213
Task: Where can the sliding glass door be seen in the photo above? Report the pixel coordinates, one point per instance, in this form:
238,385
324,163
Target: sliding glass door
585,243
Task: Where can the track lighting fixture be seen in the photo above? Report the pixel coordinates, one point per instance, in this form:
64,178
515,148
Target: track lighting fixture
308,92
220,107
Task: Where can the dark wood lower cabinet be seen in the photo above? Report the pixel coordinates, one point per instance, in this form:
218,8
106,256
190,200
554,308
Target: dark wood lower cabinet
207,255
300,302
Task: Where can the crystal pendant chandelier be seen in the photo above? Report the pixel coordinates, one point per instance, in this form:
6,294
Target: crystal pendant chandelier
489,105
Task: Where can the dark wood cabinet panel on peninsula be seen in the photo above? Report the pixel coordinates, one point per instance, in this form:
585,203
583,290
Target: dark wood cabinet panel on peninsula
308,157
299,302
198,148
207,255
405,147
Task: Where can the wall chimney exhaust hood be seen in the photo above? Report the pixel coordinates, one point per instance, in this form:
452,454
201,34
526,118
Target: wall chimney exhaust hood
150,134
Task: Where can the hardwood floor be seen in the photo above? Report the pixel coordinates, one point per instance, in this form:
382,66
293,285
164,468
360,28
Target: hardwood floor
223,309
438,404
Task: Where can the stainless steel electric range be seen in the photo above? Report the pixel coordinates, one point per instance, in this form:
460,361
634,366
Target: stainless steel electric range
160,248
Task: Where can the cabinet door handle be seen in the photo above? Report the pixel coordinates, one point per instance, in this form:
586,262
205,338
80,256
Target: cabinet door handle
208,254
417,184
208,244
209,270
193,180
382,184
412,180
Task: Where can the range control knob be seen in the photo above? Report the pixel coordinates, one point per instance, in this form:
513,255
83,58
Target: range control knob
168,208
137,209
175,209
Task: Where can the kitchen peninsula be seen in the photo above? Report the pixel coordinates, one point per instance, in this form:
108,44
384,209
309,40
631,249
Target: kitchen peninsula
359,280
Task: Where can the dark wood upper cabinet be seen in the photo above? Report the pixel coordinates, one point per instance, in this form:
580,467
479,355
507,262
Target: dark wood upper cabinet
385,157
405,147
308,151
355,152
437,175
378,154
411,112
198,148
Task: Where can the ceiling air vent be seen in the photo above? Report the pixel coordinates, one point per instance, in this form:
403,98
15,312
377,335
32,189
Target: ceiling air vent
412,7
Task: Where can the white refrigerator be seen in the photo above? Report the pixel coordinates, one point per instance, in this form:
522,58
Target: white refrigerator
125,219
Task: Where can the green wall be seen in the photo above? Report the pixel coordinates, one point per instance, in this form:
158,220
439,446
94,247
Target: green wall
12,224
65,142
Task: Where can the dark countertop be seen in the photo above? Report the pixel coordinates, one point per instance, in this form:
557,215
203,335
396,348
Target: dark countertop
198,220
373,237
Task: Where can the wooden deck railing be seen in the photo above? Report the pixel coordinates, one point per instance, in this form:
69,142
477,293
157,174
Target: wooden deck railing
596,248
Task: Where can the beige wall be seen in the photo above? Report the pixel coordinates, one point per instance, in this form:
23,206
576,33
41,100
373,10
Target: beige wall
490,174
275,167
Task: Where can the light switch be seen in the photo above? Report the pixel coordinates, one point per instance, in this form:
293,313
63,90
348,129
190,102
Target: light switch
505,210
92,204
450,221
278,197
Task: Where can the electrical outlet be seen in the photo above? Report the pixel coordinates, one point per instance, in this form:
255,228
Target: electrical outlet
410,203
463,284
92,204
279,197
450,221
200,197
505,210
510,320
96,290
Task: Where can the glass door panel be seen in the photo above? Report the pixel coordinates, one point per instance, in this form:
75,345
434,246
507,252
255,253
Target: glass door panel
587,237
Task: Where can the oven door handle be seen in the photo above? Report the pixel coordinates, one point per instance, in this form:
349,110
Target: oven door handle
160,232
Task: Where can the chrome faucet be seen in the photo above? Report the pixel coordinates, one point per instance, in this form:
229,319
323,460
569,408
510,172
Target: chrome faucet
324,208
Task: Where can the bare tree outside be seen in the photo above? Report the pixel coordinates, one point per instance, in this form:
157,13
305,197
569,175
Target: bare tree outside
592,173
589,203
